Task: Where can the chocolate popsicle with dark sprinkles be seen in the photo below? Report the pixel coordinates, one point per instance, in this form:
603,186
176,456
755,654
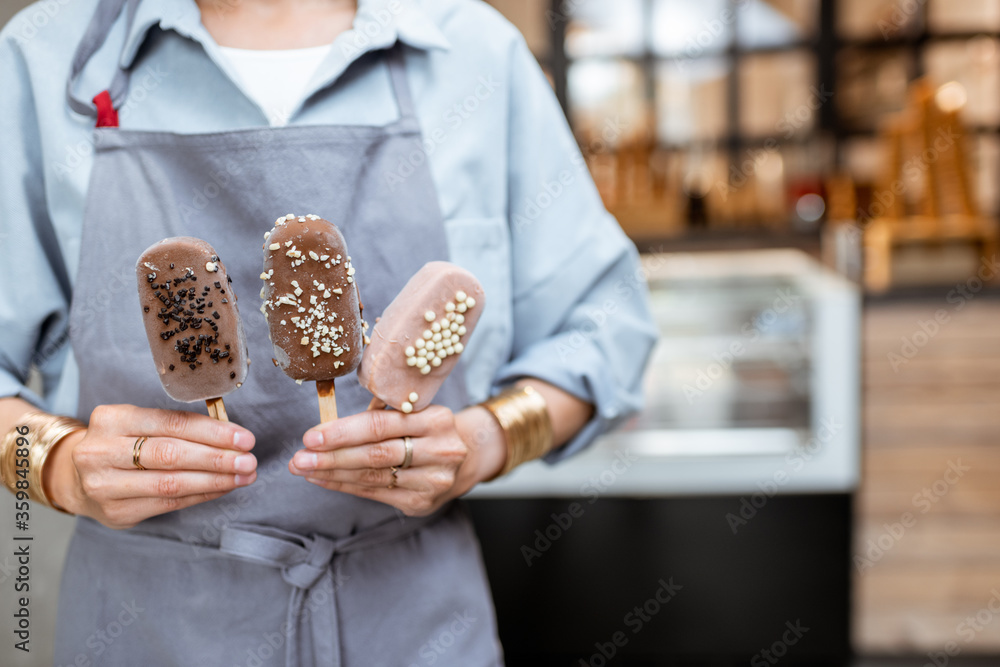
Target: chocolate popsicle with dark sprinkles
194,332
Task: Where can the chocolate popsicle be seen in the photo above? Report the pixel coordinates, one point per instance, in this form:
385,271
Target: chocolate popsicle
311,304
420,336
192,322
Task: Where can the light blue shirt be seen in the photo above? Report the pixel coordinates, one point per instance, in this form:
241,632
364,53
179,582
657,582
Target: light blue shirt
566,299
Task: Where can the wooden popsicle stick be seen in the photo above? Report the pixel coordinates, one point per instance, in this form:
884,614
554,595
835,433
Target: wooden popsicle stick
217,409
377,404
327,401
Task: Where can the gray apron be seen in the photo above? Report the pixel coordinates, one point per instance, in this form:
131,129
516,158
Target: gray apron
281,572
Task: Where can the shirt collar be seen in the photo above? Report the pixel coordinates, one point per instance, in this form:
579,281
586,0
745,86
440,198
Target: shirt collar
377,24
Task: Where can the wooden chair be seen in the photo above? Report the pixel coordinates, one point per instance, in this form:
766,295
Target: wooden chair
925,196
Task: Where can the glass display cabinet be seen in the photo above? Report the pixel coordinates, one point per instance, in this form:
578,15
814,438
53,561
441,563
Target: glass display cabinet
756,372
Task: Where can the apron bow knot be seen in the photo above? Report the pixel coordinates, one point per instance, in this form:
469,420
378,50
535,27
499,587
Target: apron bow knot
319,552
306,564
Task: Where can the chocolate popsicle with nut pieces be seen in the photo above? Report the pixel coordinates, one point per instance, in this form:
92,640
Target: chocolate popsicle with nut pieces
311,304
417,341
192,322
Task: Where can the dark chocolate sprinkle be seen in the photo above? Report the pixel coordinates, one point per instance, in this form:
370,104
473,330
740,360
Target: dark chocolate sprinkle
215,315
171,367
232,375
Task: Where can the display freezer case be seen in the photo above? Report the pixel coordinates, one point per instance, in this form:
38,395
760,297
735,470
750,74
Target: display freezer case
734,482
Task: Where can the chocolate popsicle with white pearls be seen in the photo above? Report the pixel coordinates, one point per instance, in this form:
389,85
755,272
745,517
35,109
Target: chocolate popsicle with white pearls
311,304
192,322
417,341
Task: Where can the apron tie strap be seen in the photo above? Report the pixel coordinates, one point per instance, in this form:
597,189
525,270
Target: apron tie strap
306,564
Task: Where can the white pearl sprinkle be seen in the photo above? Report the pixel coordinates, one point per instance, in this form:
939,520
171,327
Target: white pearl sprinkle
461,296
462,307
421,362
410,351
470,302
449,306
420,343
450,350
413,397
458,348
460,319
454,338
461,331
406,407
436,337
425,370
435,327
435,362
429,316
422,352
454,326
427,334
411,361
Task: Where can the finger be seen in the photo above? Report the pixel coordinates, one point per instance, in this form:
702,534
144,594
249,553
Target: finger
134,510
364,427
175,454
371,455
189,426
374,477
169,484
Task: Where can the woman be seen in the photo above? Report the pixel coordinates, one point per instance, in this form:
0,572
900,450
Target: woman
426,131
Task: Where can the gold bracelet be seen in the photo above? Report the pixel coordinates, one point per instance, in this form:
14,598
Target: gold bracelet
524,417
38,433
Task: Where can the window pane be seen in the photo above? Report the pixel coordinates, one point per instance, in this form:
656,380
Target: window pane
870,84
691,29
976,65
878,19
603,91
602,28
763,23
963,15
691,100
777,94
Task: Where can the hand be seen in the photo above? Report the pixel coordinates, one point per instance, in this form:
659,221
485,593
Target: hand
189,459
451,453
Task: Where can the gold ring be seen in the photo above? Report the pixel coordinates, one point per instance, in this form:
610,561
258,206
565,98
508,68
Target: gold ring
408,455
136,449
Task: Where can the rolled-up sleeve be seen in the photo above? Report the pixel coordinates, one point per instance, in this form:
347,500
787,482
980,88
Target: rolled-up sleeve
34,291
580,303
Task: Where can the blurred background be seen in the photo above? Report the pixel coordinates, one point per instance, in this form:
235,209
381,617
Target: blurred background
814,185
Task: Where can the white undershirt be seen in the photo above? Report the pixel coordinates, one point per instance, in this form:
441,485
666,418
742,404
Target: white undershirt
276,80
